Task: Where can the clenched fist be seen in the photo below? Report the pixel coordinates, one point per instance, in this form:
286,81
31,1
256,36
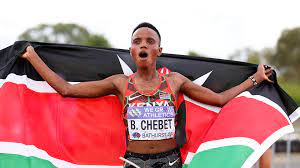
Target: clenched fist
28,53
262,73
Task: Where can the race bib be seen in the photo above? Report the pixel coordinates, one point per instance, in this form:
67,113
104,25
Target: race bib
151,122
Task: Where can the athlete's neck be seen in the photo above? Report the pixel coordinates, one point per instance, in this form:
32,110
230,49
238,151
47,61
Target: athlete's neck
147,74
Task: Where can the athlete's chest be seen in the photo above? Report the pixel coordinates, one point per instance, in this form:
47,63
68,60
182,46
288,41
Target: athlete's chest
146,87
150,116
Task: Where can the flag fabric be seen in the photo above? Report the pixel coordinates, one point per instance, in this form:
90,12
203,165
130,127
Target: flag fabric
41,129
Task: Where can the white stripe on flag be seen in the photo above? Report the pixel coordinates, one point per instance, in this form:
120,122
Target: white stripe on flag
229,142
266,101
37,86
31,150
295,115
206,106
252,159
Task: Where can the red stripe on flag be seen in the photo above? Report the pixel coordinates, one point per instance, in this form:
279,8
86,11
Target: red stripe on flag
80,131
246,117
198,121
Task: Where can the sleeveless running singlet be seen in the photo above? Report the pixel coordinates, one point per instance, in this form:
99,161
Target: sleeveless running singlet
150,117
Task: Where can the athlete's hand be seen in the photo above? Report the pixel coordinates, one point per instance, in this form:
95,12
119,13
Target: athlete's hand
28,53
263,73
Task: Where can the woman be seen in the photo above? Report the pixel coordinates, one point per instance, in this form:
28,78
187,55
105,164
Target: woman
148,98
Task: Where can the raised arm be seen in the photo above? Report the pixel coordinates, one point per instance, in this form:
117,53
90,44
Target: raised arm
207,96
110,85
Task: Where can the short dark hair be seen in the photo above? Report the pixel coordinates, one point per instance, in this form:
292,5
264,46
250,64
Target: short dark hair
148,25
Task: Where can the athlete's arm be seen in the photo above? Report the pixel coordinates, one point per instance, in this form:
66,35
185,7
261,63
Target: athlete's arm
110,85
207,96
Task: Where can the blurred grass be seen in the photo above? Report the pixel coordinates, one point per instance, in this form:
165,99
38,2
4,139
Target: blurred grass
292,88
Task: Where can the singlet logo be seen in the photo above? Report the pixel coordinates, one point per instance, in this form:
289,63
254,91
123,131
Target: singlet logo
136,135
134,112
132,98
164,96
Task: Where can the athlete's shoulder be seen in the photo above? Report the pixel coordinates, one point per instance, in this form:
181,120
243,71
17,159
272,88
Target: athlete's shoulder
119,81
120,78
175,79
175,76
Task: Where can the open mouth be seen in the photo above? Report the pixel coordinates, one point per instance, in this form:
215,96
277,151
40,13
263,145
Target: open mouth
143,54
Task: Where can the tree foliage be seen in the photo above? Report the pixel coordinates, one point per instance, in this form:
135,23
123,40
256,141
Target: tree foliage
64,33
194,53
287,56
253,56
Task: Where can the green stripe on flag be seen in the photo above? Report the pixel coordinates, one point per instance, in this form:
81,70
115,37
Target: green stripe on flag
19,161
225,157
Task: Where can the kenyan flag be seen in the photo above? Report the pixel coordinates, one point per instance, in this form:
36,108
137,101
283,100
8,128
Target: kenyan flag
41,129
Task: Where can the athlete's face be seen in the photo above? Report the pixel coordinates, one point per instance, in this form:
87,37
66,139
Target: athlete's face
145,47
